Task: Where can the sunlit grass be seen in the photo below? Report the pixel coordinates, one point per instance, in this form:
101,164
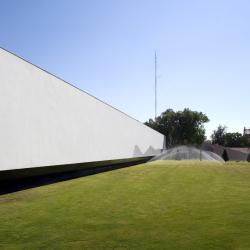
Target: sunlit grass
159,205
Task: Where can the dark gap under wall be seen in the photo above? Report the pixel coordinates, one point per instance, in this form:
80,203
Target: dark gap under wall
16,184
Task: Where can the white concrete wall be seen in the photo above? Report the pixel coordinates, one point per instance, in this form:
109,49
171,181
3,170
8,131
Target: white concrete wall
45,121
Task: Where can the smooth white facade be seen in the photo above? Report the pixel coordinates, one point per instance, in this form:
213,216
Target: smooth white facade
45,121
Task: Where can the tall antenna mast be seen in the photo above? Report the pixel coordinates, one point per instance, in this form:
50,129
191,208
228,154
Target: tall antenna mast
155,85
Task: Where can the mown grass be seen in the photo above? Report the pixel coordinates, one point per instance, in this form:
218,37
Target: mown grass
161,205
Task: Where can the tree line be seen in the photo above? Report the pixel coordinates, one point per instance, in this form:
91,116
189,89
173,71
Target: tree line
221,137
187,127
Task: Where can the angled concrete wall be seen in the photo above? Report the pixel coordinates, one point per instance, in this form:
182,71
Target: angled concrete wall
46,121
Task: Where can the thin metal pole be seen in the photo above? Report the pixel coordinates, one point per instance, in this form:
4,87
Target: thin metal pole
155,85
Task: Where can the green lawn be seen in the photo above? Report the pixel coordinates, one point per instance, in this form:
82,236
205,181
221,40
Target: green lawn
161,205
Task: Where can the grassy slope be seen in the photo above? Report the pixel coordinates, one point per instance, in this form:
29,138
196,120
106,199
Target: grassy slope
154,206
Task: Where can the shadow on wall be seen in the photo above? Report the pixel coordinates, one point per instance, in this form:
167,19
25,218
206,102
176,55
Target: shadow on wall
149,152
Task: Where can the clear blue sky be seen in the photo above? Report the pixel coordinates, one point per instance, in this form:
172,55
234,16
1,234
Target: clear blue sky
107,49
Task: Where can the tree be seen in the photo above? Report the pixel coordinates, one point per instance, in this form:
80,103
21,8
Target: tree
181,127
218,136
221,137
235,140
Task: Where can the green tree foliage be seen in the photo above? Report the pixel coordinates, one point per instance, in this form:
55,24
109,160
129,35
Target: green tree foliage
235,140
181,127
221,137
218,136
